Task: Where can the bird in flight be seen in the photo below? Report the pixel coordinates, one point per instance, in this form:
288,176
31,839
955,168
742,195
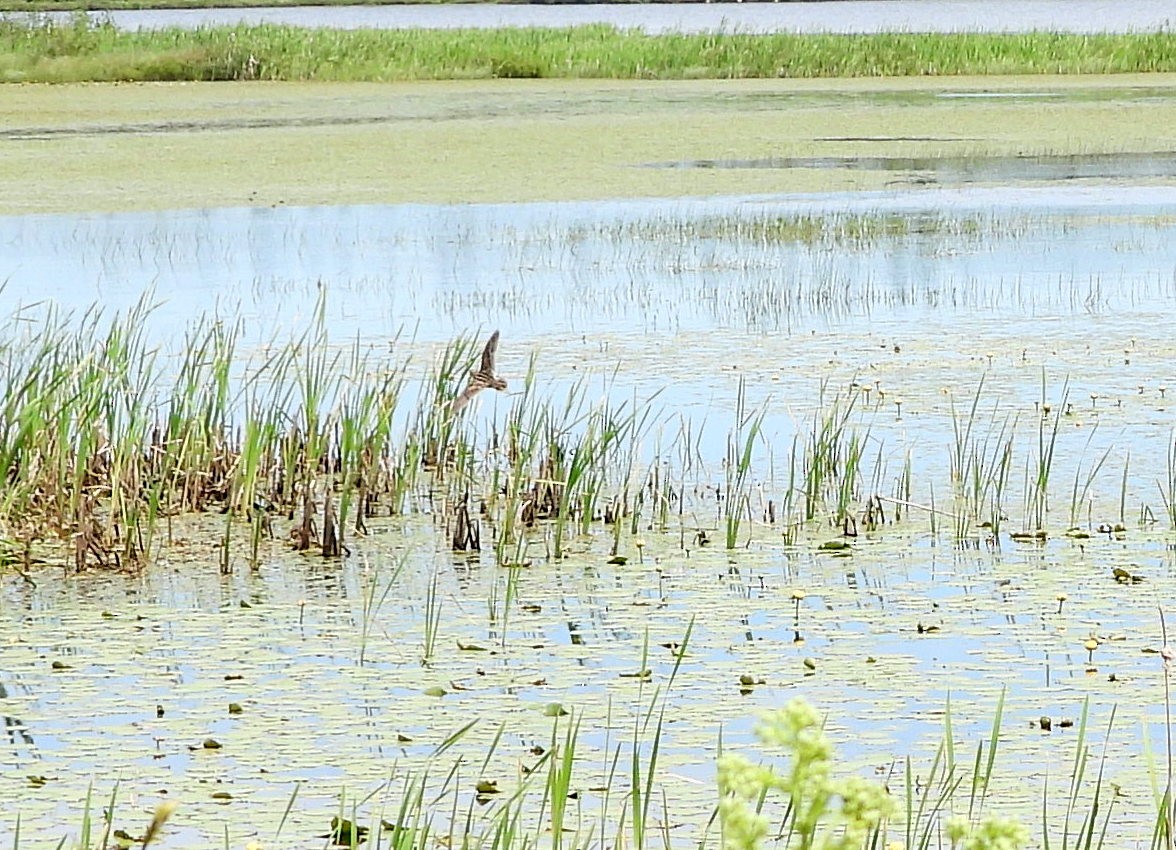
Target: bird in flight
482,379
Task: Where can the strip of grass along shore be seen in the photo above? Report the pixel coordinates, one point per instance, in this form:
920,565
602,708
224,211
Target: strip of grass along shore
138,5
84,51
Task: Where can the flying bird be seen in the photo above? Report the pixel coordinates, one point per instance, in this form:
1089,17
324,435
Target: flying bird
482,379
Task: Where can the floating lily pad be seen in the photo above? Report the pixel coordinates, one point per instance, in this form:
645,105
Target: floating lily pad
646,673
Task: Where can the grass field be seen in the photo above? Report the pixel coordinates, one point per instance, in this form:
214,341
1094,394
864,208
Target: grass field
83,51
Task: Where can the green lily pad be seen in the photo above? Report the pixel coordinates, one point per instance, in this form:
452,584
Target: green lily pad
638,674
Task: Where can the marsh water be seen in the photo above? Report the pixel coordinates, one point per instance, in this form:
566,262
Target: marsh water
1048,307
860,16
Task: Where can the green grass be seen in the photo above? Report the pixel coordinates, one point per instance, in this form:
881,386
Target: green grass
787,789
107,443
79,51
117,5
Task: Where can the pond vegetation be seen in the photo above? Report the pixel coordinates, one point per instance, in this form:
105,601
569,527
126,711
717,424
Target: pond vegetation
543,618
92,51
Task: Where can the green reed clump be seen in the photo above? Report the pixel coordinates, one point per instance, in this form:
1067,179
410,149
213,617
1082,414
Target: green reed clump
80,50
1080,494
567,462
1039,466
76,423
364,432
854,231
103,436
435,424
830,462
980,466
740,445
194,424
522,493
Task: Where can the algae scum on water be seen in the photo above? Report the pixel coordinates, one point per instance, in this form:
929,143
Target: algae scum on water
909,457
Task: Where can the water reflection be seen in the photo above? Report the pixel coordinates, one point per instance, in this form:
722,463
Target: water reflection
973,169
429,273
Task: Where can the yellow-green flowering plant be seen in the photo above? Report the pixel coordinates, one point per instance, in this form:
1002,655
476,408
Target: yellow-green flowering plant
823,812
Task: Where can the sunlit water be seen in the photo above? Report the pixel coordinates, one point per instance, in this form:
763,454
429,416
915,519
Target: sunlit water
120,680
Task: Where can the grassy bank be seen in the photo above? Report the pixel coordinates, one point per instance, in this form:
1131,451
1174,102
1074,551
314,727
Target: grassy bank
80,51
128,5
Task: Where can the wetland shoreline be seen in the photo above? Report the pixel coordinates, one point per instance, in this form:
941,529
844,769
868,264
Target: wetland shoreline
175,474
85,50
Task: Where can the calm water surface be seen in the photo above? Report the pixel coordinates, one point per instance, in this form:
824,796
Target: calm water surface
1054,294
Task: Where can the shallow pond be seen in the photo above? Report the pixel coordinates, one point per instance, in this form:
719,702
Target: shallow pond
913,304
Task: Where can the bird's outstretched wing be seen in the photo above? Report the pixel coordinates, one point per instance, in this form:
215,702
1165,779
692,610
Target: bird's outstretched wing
483,378
488,353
